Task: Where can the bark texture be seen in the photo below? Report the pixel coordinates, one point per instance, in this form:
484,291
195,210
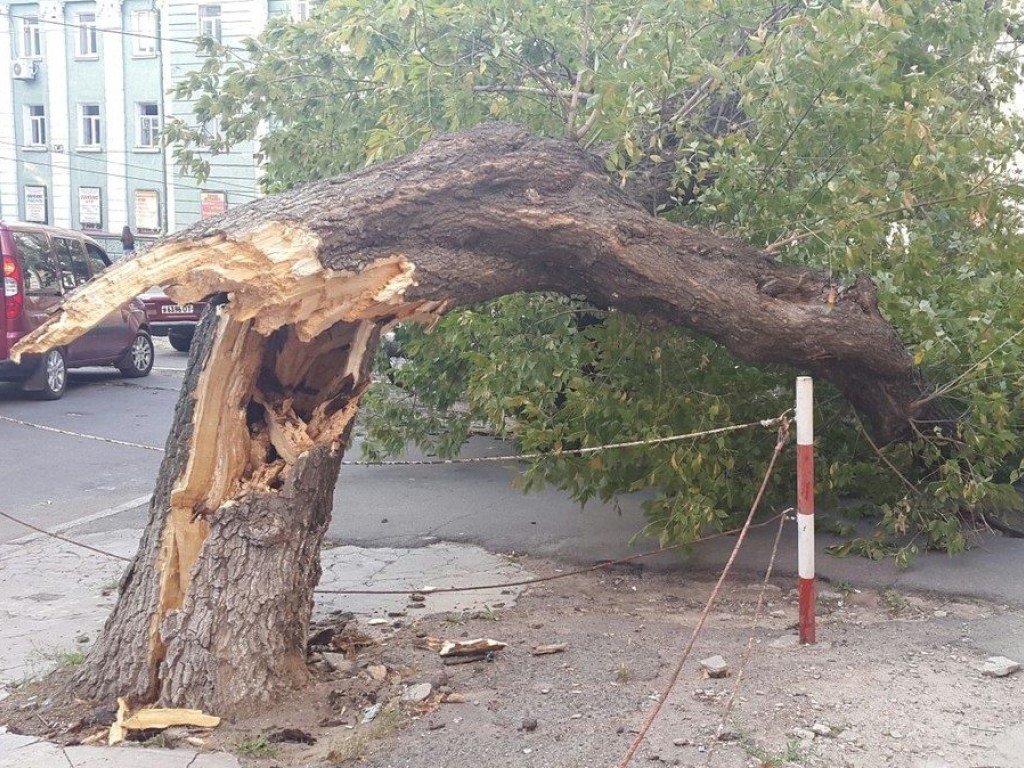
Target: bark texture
495,210
213,612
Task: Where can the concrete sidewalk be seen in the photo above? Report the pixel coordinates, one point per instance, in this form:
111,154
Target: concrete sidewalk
54,598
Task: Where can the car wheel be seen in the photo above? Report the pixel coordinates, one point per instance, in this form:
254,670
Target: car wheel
138,360
181,343
55,376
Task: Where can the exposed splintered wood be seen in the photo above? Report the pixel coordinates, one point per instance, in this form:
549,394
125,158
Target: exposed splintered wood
495,210
263,421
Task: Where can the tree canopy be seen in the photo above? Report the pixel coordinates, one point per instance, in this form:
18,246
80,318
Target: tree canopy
855,137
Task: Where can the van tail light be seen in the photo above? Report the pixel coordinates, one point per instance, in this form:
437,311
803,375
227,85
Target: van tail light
12,288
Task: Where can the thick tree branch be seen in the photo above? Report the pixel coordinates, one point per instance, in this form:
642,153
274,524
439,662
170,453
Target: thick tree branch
495,210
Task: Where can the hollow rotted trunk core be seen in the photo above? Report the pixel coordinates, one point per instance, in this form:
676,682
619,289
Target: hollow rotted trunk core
215,610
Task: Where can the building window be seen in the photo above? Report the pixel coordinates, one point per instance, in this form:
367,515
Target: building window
147,211
36,208
31,41
89,125
90,208
209,21
87,47
35,125
145,33
301,9
148,132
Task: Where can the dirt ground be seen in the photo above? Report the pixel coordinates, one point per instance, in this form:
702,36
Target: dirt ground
895,681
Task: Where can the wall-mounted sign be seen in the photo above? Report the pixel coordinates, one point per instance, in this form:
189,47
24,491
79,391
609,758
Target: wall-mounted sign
90,208
147,211
35,204
212,204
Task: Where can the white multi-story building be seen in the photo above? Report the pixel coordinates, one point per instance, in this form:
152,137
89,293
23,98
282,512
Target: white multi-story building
85,87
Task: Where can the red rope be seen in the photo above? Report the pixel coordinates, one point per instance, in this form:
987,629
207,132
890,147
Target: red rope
674,677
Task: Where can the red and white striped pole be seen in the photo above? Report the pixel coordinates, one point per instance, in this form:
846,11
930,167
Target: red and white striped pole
805,503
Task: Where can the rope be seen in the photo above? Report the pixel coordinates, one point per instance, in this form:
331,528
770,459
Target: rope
570,451
434,462
553,577
57,536
674,677
441,590
81,435
716,739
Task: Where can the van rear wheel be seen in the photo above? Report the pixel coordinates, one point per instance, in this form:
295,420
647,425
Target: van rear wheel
55,376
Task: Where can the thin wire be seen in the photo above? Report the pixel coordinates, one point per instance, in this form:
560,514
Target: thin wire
444,590
439,462
112,440
716,739
570,451
57,536
125,33
553,577
652,716
231,187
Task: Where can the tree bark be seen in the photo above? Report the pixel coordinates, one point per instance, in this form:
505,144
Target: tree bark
214,609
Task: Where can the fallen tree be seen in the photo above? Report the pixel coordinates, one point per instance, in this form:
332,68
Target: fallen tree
214,609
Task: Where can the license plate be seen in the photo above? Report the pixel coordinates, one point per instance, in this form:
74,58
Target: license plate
176,309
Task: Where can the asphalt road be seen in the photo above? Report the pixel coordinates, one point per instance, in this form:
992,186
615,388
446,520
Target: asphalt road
54,480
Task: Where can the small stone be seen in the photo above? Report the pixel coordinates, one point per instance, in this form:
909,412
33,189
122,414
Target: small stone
940,614
455,698
778,614
377,622
715,666
999,666
849,735
82,639
436,726
395,614
339,663
529,725
821,729
804,734
527,751
377,672
681,743
417,693
416,597
371,712
545,691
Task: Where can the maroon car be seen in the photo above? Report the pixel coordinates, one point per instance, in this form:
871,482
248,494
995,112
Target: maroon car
167,318
40,265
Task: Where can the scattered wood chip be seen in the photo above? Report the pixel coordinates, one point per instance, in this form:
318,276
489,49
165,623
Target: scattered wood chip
466,647
433,643
544,650
156,718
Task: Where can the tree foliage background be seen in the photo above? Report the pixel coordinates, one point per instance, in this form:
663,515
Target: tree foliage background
851,136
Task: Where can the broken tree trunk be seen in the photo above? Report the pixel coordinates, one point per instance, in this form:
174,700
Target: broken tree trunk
213,611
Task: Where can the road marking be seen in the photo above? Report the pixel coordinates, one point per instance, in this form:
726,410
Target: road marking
109,512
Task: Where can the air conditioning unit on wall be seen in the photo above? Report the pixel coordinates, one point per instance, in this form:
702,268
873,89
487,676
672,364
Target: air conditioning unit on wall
24,69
